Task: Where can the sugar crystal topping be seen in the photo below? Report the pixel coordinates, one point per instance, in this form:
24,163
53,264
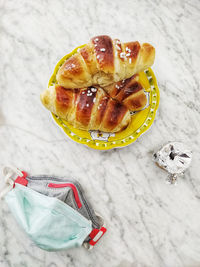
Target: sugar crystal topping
93,89
90,94
128,49
122,55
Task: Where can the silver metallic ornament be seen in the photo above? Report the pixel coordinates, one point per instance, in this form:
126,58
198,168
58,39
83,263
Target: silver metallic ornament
175,158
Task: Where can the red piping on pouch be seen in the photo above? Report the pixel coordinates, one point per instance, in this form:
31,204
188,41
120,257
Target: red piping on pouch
21,179
73,187
96,234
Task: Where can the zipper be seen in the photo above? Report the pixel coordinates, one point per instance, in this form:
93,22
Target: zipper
88,209
73,187
46,177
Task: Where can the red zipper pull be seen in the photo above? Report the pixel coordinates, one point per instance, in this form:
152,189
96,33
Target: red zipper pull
73,187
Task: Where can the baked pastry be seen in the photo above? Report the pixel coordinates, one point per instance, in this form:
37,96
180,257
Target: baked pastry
87,109
129,92
104,61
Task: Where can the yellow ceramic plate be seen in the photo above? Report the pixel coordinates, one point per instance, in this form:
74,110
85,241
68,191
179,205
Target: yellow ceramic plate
140,123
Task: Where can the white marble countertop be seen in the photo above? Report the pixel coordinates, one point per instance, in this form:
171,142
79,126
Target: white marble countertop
149,223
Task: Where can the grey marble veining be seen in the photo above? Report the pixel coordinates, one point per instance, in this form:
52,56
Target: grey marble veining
150,224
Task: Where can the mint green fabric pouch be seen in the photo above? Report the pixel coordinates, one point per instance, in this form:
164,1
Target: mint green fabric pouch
53,212
51,224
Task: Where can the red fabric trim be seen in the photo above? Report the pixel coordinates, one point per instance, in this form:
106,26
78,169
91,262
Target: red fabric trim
21,179
73,187
94,233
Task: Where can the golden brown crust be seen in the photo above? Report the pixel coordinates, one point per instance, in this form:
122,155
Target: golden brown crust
129,92
74,72
128,88
136,102
147,54
148,50
114,114
132,50
72,67
118,49
87,54
103,48
103,101
64,96
85,105
86,109
108,63
104,61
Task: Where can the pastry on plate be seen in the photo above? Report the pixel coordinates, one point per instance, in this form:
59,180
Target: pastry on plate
129,92
104,61
87,109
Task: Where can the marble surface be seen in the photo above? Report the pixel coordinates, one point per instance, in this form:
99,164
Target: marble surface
150,224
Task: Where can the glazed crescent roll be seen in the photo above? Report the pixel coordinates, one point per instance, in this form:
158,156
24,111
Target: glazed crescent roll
104,61
129,92
87,109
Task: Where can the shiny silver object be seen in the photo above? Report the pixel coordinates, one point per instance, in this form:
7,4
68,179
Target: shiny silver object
175,158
